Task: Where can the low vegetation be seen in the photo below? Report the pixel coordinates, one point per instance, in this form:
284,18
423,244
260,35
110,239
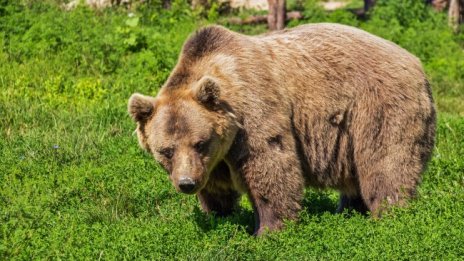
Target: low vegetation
74,183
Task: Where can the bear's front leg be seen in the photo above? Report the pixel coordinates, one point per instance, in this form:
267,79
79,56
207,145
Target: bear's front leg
219,196
275,186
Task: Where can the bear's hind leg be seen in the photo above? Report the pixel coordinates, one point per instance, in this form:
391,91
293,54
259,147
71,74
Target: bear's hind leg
391,151
382,187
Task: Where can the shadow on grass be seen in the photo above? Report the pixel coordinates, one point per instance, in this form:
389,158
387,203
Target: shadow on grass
315,203
319,202
241,217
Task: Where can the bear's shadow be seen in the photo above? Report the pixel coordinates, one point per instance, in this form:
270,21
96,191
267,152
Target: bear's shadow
314,203
319,202
241,216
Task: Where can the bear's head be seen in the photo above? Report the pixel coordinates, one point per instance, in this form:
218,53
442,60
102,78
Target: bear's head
187,130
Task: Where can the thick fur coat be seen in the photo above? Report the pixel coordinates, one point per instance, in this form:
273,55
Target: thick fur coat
321,105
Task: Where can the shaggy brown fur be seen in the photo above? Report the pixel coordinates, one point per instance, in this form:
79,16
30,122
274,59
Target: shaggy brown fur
319,105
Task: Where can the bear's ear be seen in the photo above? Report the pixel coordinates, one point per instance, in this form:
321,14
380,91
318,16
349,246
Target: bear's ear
141,107
207,91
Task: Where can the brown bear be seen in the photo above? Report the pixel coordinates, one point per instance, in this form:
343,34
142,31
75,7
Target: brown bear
321,105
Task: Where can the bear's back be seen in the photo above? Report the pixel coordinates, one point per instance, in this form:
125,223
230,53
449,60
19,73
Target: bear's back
326,63
344,52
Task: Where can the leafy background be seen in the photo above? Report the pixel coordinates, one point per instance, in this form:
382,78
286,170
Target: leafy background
75,185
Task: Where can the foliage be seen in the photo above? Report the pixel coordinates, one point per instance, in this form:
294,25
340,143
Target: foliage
75,185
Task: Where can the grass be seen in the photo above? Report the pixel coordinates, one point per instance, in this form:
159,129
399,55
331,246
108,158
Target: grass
75,185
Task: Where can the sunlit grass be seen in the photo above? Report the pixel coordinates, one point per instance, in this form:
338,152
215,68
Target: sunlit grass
75,185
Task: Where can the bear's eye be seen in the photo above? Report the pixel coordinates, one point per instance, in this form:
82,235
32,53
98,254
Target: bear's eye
201,146
167,152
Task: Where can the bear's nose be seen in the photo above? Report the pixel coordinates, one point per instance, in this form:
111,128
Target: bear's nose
186,185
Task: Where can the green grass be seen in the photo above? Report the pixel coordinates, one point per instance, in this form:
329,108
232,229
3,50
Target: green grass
75,185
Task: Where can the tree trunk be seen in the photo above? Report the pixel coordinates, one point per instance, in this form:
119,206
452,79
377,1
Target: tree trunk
281,12
276,15
455,13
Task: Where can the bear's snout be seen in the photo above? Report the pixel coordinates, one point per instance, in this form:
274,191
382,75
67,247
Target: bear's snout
187,185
